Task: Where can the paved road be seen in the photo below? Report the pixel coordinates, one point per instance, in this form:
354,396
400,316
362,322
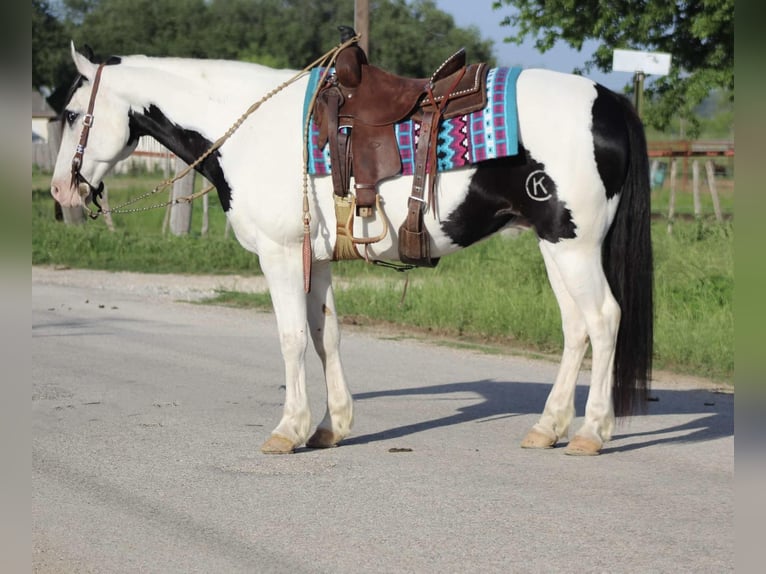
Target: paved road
147,415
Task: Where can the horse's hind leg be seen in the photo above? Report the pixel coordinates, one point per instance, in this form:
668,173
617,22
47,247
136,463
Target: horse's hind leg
284,272
559,407
581,272
323,323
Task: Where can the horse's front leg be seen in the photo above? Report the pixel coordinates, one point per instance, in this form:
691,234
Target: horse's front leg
325,334
284,273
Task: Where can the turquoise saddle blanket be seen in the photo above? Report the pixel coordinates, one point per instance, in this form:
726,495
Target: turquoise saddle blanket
486,134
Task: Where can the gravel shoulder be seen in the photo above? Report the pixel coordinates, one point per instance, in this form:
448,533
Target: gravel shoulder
159,286
196,288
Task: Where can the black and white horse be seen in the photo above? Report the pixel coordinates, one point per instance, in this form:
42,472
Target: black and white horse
582,150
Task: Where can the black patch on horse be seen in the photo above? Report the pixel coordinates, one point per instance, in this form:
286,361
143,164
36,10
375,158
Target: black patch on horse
505,189
610,139
188,145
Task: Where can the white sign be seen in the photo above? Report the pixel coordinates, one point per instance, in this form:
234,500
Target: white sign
655,63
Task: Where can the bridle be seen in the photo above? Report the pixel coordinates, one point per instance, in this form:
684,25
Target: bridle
326,61
87,122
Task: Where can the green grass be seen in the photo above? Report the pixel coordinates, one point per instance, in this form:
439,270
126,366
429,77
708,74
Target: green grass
694,291
498,291
684,205
495,293
137,244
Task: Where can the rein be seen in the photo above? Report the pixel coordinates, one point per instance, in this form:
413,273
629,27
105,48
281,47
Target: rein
326,61
88,122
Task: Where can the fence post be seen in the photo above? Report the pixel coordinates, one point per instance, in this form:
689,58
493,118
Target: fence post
205,215
107,211
696,189
672,202
180,213
710,172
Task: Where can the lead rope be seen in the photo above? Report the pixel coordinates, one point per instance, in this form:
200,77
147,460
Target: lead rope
326,61
218,143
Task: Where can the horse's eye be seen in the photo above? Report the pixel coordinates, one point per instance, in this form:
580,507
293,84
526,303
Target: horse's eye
71,117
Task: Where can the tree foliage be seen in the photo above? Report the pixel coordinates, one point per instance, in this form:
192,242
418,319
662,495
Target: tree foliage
410,38
48,37
699,34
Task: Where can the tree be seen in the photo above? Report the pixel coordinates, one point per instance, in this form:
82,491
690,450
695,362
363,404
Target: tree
409,38
49,64
414,38
699,34
280,33
406,37
151,27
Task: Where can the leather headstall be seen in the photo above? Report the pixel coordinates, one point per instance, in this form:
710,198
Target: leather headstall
87,122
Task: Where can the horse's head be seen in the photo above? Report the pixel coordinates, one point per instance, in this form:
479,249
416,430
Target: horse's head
95,133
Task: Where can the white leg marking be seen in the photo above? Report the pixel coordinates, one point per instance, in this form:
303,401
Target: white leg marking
582,275
325,334
284,272
559,407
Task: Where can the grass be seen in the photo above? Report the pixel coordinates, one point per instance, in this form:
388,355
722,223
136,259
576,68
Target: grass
496,293
138,243
684,206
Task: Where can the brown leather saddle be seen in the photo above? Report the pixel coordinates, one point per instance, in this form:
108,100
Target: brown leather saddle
356,112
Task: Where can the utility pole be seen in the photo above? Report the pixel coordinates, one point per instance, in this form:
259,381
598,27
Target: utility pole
362,24
641,64
638,92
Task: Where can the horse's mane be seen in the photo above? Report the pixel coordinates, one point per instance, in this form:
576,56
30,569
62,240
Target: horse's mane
209,71
215,74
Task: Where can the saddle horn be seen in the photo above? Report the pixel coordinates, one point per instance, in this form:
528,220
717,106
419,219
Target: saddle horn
346,33
348,65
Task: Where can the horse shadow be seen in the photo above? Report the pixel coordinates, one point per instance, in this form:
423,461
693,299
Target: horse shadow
503,399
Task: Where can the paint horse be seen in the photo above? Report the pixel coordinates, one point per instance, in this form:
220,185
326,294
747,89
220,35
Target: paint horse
580,180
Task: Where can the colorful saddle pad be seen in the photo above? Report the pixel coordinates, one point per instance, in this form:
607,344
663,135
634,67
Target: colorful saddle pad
486,134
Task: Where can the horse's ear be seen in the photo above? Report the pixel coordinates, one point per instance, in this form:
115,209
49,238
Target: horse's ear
82,62
89,53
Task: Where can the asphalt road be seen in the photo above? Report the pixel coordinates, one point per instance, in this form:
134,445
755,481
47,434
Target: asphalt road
148,413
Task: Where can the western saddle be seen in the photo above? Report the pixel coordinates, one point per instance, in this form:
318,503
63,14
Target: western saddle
356,111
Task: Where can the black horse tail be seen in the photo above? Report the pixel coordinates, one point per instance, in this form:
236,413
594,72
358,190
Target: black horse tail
627,261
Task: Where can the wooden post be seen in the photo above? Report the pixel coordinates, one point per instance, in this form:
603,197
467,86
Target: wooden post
180,213
672,202
696,189
653,171
105,204
638,88
166,219
710,172
362,24
205,214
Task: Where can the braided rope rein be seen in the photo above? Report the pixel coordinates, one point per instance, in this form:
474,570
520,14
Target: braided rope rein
326,61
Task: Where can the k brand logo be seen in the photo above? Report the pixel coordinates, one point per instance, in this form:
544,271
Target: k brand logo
537,185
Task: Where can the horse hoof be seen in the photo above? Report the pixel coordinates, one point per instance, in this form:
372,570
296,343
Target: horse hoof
323,438
537,439
277,445
580,446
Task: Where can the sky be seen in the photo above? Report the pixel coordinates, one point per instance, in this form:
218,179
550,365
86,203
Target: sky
561,57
